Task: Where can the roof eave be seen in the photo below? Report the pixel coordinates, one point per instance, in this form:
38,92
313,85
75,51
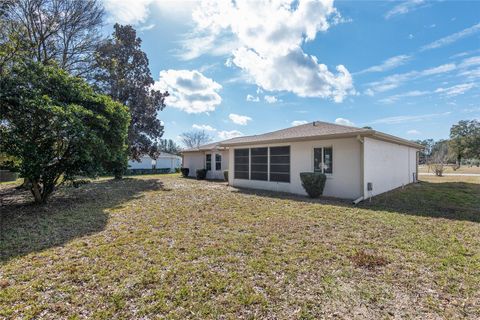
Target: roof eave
203,150
389,138
308,138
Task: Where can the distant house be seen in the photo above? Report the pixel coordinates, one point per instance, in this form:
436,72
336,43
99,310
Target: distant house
359,163
166,162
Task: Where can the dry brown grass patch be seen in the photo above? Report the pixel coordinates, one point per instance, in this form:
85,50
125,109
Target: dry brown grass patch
369,260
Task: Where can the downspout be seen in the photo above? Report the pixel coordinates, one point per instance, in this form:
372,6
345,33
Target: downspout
362,167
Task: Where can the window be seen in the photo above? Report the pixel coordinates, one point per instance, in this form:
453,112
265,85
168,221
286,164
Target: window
241,164
218,162
328,160
323,160
280,164
208,162
259,163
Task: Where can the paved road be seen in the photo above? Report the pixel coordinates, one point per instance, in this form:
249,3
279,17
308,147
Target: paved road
452,174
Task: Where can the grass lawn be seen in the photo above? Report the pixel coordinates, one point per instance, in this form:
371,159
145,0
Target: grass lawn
163,246
449,169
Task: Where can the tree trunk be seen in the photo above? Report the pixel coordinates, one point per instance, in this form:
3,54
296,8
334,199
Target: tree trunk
26,185
37,194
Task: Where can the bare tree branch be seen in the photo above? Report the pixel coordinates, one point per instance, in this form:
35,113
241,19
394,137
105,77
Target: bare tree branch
195,139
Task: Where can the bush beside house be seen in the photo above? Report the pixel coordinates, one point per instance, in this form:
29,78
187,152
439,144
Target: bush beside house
201,174
313,183
185,172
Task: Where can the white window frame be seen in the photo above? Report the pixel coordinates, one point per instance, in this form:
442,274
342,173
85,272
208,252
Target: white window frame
219,154
322,158
206,154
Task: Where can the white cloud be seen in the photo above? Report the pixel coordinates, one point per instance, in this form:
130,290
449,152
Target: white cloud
205,127
404,7
452,38
471,110
265,40
239,119
470,62
396,97
127,11
455,90
270,99
470,68
299,122
395,80
464,53
135,12
295,72
413,132
416,118
471,74
224,135
252,98
189,90
147,27
344,122
388,64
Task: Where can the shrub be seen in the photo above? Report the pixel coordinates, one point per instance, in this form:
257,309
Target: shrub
437,168
177,170
185,172
313,183
225,175
201,174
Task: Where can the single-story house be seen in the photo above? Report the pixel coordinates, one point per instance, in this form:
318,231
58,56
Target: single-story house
163,162
359,163
210,156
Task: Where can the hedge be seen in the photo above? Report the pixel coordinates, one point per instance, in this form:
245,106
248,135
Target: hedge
313,183
185,172
201,174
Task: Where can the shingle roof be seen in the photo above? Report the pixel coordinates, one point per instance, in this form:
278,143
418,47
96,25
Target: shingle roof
309,131
205,147
315,129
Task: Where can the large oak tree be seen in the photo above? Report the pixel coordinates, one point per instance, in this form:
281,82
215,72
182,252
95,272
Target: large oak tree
123,73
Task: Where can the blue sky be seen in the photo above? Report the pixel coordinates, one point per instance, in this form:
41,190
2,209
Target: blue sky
409,68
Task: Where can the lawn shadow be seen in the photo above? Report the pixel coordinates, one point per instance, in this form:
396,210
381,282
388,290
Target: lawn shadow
449,200
69,214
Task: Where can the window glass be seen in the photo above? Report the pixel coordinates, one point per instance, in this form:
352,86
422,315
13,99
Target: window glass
280,164
241,164
208,162
218,162
317,160
323,160
328,160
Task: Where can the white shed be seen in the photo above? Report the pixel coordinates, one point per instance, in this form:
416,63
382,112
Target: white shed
146,162
165,162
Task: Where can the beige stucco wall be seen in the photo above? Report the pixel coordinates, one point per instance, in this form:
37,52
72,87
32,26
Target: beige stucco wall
345,182
196,160
387,165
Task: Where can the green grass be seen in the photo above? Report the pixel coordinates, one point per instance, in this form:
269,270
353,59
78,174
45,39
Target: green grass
168,247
